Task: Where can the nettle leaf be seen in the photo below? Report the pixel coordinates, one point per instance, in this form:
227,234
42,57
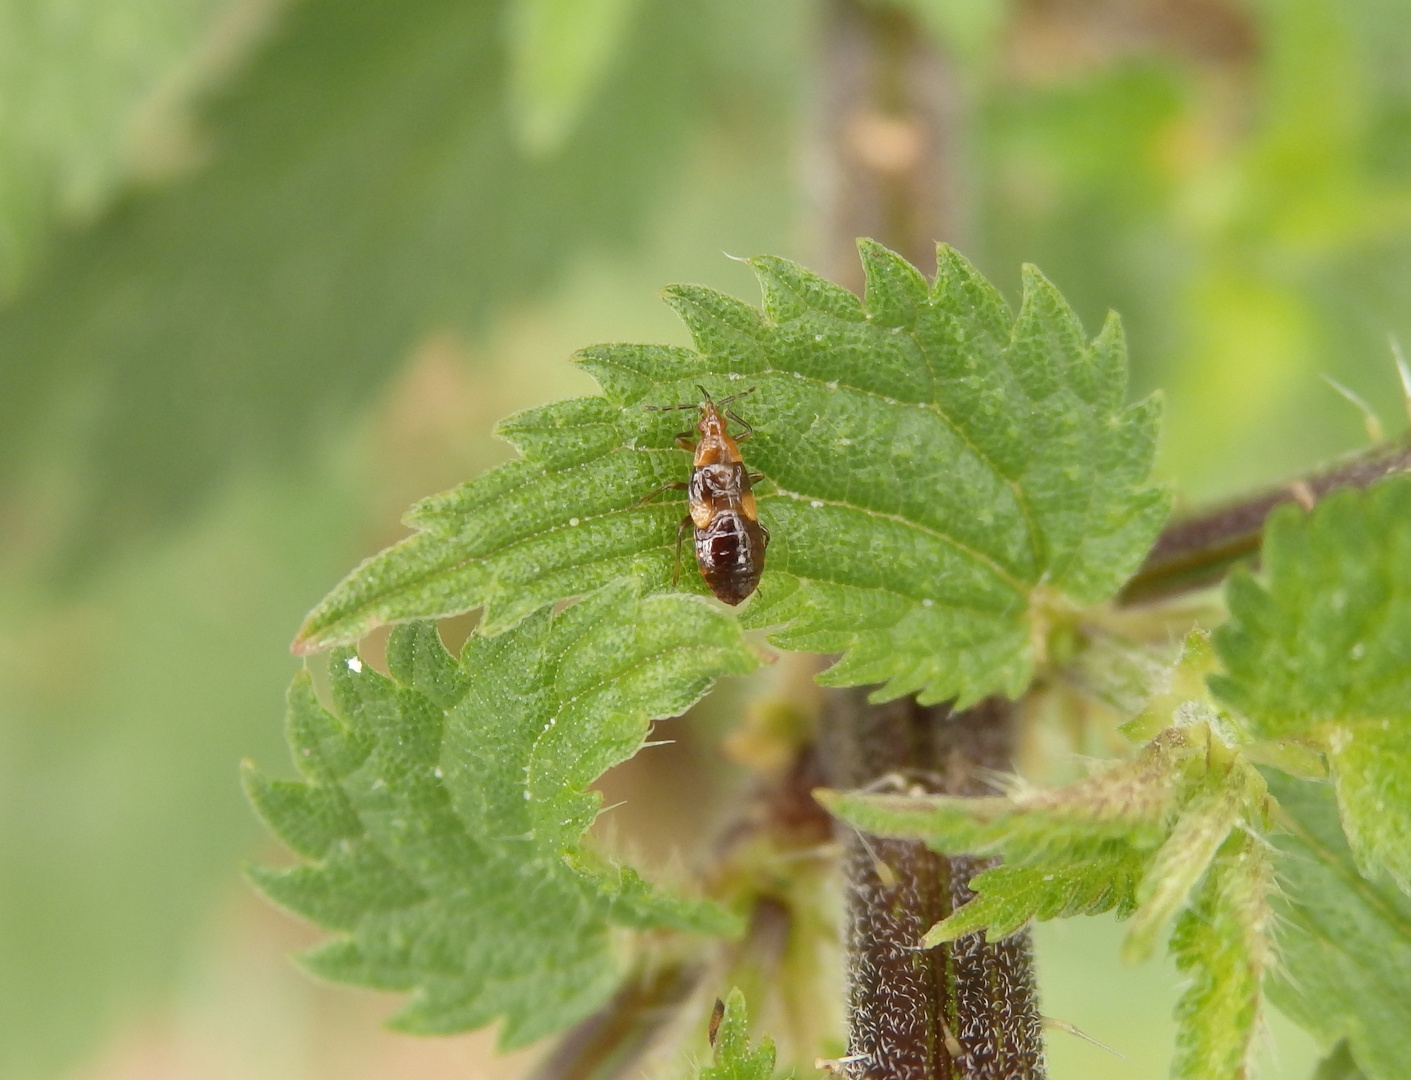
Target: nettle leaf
733,1059
1199,832
1344,956
1173,834
1221,941
943,479
1009,897
443,810
1133,802
1320,651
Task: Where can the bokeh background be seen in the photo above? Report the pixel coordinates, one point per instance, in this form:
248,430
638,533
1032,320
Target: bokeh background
270,269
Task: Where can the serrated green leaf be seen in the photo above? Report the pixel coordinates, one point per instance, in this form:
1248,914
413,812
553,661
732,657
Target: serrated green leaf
1134,802
942,477
1344,943
1320,650
444,809
1199,833
1221,942
733,1058
560,50
1009,897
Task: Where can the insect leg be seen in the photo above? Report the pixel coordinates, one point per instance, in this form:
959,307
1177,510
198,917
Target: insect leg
765,531
684,441
755,477
675,485
686,522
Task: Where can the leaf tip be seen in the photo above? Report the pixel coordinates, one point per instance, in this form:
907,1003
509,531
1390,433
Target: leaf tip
937,935
305,642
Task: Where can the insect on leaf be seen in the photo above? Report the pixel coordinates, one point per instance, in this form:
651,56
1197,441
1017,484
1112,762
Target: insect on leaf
943,479
442,811
1320,650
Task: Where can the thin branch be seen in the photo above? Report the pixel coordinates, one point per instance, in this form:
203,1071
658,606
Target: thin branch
1196,552
613,1039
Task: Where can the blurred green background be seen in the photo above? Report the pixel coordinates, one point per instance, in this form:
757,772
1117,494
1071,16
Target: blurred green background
270,269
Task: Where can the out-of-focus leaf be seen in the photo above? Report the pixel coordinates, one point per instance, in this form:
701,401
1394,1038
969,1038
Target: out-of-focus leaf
443,809
967,28
366,188
1339,1065
72,75
946,475
121,718
560,51
1344,943
1251,239
1321,650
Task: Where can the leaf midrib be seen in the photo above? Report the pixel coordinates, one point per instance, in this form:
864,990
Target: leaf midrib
1032,531
1020,587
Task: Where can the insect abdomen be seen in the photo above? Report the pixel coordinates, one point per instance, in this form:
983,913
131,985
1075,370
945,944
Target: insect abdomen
730,553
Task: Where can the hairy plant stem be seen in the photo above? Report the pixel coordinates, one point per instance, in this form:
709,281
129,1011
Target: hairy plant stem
1198,551
967,1010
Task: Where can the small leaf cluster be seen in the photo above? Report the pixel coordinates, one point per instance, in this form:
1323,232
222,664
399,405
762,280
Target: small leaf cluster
1318,653
733,1059
441,811
1166,836
1312,670
1317,658
943,479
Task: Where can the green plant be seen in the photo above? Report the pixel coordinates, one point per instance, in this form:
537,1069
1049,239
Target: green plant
957,497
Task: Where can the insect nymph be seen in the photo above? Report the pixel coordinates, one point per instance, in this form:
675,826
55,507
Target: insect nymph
730,541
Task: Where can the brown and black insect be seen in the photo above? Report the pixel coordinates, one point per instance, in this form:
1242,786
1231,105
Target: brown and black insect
730,541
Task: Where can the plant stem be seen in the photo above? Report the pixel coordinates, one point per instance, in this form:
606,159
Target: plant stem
889,137
612,1040
1198,551
963,1010
887,130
